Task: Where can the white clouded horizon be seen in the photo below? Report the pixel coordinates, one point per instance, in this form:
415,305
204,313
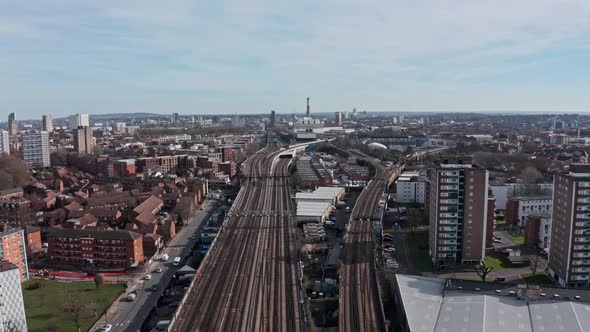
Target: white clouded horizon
62,57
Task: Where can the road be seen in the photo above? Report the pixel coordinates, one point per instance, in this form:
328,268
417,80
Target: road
129,316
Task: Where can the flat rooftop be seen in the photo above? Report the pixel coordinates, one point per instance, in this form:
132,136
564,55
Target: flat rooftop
446,305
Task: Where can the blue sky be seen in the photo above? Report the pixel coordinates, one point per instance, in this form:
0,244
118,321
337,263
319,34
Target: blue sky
62,57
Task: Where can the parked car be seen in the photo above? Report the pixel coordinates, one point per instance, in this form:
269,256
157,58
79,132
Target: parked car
500,279
159,270
329,222
154,288
147,276
106,328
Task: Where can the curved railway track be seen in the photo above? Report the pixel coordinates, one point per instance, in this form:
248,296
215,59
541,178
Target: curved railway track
247,280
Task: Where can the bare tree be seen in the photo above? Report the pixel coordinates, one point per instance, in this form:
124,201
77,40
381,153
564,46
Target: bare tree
76,308
535,264
482,270
530,175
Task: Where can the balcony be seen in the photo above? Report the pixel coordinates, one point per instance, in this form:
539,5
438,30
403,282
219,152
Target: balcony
447,235
585,200
449,187
583,192
450,229
448,215
447,248
582,239
446,255
582,215
581,247
578,262
448,222
448,201
581,254
581,270
447,242
579,278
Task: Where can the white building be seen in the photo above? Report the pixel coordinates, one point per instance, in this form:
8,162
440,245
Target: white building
316,206
519,208
79,120
12,307
503,191
36,149
4,142
411,187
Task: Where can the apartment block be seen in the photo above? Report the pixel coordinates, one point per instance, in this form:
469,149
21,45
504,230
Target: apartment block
411,187
47,123
458,212
95,248
569,258
83,142
519,208
12,307
36,149
4,142
537,231
13,249
78,120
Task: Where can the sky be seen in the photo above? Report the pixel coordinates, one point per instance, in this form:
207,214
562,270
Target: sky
253,56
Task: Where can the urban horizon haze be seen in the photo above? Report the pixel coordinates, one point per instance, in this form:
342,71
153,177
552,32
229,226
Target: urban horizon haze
227,57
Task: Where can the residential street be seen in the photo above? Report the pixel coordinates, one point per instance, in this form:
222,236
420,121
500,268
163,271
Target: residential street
129,316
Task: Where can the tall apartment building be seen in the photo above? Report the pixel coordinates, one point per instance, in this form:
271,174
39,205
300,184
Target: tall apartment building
36,149
12,125
569,258
78,120
13,249
47,123
458,212
4,142
12,306
83,143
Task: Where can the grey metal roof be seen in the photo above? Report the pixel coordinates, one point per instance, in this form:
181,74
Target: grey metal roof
428,307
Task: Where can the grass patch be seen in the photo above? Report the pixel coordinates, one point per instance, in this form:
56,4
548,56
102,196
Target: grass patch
516,239
495,261
538,279
43,305
418,246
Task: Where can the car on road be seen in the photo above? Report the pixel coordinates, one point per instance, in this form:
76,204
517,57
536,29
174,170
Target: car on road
147,276
347,209
329,222
106,328
154,288
390,249
131,296
159,270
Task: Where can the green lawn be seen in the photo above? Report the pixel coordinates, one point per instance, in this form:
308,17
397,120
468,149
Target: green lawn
418,246
495,261
516,239
44,306
500,219
538,279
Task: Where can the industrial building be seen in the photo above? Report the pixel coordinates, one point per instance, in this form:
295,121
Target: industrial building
316,206
431,304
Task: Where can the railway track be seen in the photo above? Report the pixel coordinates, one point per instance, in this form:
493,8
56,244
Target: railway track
360,307
247,280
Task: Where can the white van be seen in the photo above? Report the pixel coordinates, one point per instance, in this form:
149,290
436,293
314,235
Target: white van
176,261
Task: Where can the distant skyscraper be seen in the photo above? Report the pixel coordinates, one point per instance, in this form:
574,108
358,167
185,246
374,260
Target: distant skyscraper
458,212
12,125
36,149
83,140
4,142
338,119
307,112
47,123
272,118
78,120
174,118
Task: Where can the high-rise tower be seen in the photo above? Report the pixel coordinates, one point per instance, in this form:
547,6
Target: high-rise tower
307,111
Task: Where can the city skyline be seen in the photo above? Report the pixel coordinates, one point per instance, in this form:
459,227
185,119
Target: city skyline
68,57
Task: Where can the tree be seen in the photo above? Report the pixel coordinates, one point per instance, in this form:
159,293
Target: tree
76,308
98,280
482,270
13,172
530,175
58,158
535,264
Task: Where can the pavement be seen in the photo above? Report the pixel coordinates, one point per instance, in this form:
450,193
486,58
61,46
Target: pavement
130,316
